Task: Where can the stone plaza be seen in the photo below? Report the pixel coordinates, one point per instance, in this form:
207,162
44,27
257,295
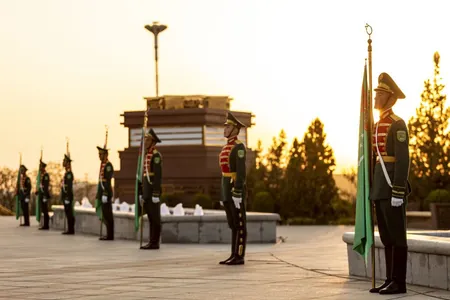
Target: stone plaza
308,262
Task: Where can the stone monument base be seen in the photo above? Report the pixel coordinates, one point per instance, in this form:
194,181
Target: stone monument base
428,259
212,227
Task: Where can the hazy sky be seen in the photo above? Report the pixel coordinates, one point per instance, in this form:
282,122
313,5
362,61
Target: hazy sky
69,67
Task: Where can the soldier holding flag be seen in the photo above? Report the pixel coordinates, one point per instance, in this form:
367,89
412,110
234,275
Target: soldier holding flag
23,194
43,194
105,193
390,186
150,188
67,194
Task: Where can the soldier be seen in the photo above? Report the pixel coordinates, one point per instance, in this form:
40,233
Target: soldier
67,194
150,189
232,163
105,193
43,194
390,186
24,192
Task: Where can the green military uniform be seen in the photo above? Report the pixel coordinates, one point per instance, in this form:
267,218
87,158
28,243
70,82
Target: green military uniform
233,191
150,192
24,193
67,197
105,194
390,189
43,194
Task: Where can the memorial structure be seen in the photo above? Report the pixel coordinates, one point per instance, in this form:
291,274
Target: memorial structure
191,130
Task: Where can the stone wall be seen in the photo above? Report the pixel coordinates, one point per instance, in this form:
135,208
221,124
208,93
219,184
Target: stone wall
428,259
209,228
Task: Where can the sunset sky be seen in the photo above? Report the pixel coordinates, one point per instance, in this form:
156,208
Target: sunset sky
69,67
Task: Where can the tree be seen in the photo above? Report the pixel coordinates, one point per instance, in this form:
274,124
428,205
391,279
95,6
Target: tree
429,140
8,182
256,178
319,189
275,168
292,202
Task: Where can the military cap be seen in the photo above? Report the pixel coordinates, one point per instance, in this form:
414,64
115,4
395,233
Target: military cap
102,149
231,119
22,167
152,133
387,84
42,164
67,158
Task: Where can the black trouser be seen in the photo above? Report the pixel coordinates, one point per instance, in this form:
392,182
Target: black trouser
237,221
25,211
44,210
392,229
108,218
68,209
153,211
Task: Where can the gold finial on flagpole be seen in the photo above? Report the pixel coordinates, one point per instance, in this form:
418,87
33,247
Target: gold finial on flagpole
106,136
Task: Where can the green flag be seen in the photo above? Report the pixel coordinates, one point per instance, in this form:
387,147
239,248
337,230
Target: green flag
363,221
18,207
138,179
38,197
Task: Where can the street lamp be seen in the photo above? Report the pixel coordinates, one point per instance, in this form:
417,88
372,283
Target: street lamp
156,28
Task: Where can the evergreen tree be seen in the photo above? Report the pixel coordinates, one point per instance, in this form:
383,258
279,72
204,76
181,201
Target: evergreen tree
256,178
292,202
429,140
275,168
319,188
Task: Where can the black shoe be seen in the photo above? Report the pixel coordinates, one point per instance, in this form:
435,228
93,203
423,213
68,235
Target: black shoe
225,261
44,228
235,261
145,247
28,225
379,288
68,232
394,288
106,238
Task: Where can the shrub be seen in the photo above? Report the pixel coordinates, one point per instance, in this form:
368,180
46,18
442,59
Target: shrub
263,202
437,196
203,200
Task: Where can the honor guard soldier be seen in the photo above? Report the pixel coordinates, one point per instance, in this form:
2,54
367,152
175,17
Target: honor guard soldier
67,194
24,193
150,188
43,194
232,163
105,192
390,186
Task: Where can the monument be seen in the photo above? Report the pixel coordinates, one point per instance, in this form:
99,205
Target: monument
191,130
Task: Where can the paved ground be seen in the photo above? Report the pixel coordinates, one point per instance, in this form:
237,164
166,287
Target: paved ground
311,264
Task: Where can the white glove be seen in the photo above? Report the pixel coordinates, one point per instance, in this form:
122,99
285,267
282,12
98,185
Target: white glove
221,203
141,200
104,199
44,200
155,199
66,202
27,200
396,202
237,202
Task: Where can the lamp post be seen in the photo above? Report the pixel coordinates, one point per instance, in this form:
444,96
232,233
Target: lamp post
156,28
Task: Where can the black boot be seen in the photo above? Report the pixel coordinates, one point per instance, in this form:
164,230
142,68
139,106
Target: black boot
233,246
398,284
388,259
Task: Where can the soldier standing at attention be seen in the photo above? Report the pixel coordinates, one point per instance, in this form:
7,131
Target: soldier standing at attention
105,193
24,192
390,186
150,189
43,194
233,189
67,194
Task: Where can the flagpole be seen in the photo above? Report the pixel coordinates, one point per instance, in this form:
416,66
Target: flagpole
18,202
142,162
369,50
